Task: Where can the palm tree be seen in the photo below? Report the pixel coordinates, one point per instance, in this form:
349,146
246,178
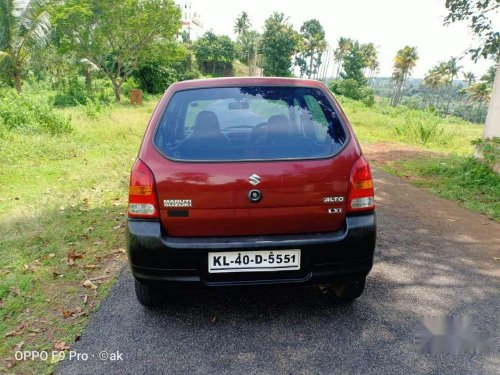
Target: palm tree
469,77
24,28
242,24
404,62
480,92
371,56
435,80
313,45
452,69
344,45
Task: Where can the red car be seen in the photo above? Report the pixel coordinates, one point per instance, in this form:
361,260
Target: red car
250,181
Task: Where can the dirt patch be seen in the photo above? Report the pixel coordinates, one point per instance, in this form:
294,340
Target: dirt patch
385,153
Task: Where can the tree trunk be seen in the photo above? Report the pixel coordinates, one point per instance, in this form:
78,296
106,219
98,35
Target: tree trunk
88,79
311,63
17,80
117,89
492,126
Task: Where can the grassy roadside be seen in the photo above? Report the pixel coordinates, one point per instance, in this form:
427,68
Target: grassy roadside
460,179
443,165
63,199
62,205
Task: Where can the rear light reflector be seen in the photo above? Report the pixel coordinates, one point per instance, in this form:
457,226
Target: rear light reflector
141,209
361,192
143,202
362,202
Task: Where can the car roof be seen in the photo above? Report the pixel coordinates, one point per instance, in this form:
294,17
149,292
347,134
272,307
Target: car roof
245,81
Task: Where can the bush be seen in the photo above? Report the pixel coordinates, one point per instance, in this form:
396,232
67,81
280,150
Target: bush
93,108
352,89
24,113
421,129
489,149
74,92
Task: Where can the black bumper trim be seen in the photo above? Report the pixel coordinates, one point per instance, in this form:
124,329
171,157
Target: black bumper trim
183,260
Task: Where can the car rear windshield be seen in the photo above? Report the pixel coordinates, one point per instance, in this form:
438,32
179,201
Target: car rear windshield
249,123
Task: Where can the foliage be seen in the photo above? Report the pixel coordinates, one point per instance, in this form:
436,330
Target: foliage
158,71
215,53
313,44
461,179
352,89
115,35
420,130
477,13
354,84
25,114
489,149
489,76
248,46
279,43
404,62
242,24
24,29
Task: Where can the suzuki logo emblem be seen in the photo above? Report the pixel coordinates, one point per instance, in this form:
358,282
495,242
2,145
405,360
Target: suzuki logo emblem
254,179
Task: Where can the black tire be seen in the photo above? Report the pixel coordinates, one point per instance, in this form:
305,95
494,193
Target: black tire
349,290
148,295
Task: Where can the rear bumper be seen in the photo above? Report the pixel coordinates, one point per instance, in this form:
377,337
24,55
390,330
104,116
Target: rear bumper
177,262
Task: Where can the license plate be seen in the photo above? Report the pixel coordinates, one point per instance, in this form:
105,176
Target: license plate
254,261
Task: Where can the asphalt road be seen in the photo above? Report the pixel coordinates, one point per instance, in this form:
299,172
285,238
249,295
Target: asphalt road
433,259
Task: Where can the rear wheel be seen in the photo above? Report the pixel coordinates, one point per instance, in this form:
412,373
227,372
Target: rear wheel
349,290
148,295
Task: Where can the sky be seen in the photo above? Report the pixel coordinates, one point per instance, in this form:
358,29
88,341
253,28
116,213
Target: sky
389,24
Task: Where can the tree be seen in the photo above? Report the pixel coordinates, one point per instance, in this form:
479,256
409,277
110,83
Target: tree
312,47
24,28
480,92
489,76
371,55
115,35
404,62
214,53
477,13
242,24
469,77
279,43
354,83
435,80
343,46
248,42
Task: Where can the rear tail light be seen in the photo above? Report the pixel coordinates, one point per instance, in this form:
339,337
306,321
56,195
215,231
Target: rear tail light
142,199
361,193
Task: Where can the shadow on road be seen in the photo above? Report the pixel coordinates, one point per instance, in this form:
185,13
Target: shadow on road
434,259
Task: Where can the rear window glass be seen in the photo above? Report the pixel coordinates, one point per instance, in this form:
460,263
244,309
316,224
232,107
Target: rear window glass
249,123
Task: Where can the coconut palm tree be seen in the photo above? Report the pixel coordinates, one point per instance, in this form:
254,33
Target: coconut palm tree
242,24
344,44
452,70
24,27
469,77
435,80
480,92
313,46
404,62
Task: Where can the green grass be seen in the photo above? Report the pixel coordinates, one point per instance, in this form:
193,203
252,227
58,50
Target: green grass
451,173
460,179
381,123
67,193
60,194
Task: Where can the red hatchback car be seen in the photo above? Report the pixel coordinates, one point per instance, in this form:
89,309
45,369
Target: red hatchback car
250,181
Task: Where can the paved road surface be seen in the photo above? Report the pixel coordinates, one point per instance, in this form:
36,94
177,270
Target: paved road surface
434,258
